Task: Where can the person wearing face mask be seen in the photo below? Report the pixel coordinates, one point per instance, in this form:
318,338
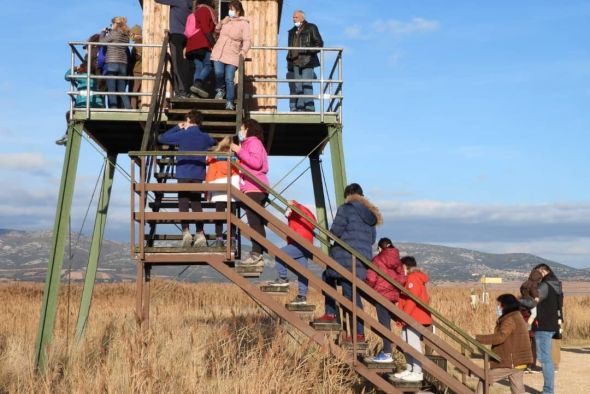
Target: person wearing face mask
510,341
254,159
234,40
389,263
302,62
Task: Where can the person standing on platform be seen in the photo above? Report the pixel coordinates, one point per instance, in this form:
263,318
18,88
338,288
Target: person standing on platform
135,65
303,34
510,341
199,32
234,40
354,224
179,11
254,159
116,61
305,228
547,322
389,263
188,137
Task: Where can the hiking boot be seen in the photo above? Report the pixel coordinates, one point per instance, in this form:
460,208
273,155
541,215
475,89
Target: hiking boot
197,89
62,141
382,358
402,374
200,240
326,318
280,282
230,106
219,94
413,377
187,240
254,259
299,300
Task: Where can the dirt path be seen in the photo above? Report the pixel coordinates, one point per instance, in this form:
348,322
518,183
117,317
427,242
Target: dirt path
573,376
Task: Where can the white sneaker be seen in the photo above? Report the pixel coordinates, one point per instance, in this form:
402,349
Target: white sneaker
200,240
413,377
402,374
187,240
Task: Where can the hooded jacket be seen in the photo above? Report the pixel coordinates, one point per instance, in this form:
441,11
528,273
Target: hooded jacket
389,262
202,21
299,224
416,284
234,38
354,224
254,158
179,11
549,307
510,341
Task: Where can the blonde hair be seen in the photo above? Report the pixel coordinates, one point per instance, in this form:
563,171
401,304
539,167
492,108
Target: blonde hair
135,31
223,145
121,22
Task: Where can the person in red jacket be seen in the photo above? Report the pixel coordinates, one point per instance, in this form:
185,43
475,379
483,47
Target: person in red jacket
304,228
389,263
199,30
415,284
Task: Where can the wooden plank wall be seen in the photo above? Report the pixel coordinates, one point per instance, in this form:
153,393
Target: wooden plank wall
264,19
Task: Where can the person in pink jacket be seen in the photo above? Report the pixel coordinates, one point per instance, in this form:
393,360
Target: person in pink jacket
254,159
389,263
234,40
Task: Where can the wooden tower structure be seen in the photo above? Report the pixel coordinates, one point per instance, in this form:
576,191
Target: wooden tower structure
154,206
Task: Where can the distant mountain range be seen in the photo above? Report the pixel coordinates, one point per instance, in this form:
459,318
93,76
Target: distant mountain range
24,256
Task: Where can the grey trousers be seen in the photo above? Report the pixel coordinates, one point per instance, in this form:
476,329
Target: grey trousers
515,376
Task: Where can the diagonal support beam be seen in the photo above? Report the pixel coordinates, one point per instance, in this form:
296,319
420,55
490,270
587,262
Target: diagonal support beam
56,251
318,192
97,237
338,167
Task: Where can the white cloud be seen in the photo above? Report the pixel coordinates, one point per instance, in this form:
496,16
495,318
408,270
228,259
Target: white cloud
354,32
25,161
397,27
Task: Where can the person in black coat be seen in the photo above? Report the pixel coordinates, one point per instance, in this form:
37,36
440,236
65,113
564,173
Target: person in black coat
300,63
354,224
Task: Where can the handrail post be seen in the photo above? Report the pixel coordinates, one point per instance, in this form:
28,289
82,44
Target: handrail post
88,72
321,95
72,83
142,210
486,373
340,77
228,208
354,306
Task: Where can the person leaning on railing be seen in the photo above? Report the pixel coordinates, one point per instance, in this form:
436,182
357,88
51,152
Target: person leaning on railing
354,224
234,40
254,159
116,60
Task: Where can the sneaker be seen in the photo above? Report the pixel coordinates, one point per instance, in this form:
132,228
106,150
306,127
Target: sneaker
299,300
402,374
187,240
200,240
230,106
280,282
382,358
326,318
359,338
62,141
413,377
219,94
254,259
532,371
182,95
197,89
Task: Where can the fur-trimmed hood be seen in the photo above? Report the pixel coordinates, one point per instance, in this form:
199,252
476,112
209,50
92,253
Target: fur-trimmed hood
367,211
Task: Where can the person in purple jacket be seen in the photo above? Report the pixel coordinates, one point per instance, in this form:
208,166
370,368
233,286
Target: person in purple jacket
254,159
187,136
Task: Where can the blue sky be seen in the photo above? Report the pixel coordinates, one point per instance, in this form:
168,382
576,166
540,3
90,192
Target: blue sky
467,123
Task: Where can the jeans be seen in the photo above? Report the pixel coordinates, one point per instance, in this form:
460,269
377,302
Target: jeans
194,200
543,343
304,104
292,91
180,65
224,79
117,85
300,255
331,278
255,221
384,317
412,338
203,67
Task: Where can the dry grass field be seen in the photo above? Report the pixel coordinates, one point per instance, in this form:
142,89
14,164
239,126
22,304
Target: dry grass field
204,338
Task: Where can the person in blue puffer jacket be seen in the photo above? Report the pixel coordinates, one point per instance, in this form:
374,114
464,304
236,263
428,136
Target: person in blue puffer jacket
79,80
354,224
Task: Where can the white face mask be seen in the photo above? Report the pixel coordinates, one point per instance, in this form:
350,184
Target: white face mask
232,13
498,310
297,24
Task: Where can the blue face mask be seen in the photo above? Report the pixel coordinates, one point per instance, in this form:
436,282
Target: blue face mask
499,311
232,13
241,137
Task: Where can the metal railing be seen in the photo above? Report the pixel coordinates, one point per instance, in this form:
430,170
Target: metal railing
329,83
454,333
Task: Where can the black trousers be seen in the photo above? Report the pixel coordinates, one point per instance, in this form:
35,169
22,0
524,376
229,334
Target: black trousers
220,206
181,66
192,199
255,221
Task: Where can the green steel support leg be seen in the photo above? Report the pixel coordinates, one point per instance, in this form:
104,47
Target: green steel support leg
56,252
97,237
320,202
338,169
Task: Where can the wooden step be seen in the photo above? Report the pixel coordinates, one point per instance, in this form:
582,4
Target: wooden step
380,367
195,103
205,112
406,387
178,237
361,347
280,290
300,307
174,205
248,271
178,249
319,326
211,124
